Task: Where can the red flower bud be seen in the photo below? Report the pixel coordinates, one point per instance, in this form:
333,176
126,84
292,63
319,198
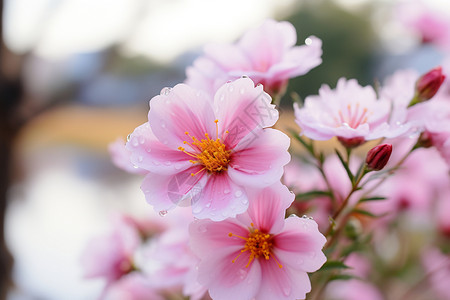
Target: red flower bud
378,156
428,84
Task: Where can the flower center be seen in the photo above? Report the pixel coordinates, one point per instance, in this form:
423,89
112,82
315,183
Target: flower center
352,117
212,154
258,243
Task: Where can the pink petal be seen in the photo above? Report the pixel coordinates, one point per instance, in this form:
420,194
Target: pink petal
266,44
299,245
267,208
282,283
227,280
243,109
227,57
179,110
220,199
260,163
164,192
208,236
121,157
148,153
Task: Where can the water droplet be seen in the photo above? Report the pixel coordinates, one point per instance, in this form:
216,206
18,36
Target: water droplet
226,191
168,163
128,137
162,213
312,254
293,216
308,41
142,139
259,84
222,97
244,201
244,76
229,81
202,229
242,273
135,142
140,158
238,194
300,261
148,150
177,166
304,217
286,290
231,88
208,204
165,91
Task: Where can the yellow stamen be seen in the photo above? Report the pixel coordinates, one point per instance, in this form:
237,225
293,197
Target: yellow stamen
211,153
258,243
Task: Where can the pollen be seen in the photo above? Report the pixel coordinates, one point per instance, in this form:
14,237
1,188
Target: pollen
258,244
212,154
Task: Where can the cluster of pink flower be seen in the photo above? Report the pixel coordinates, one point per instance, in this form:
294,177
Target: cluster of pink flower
219,174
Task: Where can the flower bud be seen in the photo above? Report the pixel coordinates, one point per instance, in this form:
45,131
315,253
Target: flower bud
428,85
378,156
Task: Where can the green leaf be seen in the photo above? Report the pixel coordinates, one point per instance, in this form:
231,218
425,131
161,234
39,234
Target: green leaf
372,199
347,169
342,277
311,195
308,146
364,212
333,264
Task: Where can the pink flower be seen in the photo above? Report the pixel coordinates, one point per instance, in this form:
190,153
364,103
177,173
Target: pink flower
204,152
266,54
133,286
432,26
111,256
259,255
167,261
437,265
350,112
121,157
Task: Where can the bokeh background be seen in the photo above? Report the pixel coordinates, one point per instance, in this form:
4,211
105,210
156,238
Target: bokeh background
78,74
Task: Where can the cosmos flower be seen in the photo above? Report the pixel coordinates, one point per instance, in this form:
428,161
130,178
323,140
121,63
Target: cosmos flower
260,254
203,152
350,112
266,54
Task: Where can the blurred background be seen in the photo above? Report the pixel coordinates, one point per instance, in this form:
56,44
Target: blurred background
77,74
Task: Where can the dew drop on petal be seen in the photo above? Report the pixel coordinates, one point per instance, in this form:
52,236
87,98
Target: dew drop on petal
286,290
168,163
140,158
226,191
244,201
244,76
242,273
259,84
135,142
148,150
229,81
308,41
162,213
165,91
142,139
238,194
208,204
231,88
222,97
128,137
